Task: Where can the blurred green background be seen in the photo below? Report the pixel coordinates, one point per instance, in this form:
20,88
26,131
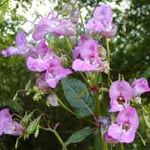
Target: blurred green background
130,56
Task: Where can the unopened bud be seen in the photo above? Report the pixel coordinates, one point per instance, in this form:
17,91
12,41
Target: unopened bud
74,17
52,100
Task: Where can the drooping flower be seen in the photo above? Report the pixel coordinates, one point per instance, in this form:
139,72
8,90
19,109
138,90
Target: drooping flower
140,86
55,74
126,125
8,126
86,56
5,120
109,139
15,129
43,58
22,47
75,15
120,94
49,64
41,83
102,21
52,100
53,25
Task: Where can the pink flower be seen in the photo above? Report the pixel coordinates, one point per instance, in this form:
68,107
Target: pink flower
55,26
94,64
103,13
44,57
22,47
41,83
86,56
102,21
120,94
55,74
8,126
110,31
5,120
76,51
109,139
126,125
140,86
47,62
75,15
15,129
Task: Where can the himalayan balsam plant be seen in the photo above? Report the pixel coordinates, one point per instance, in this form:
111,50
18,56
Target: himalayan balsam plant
79,76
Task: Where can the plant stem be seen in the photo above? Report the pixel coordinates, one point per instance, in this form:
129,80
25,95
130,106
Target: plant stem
121,146
82,22
141,138
69,43
84,77
59,139
108,50
104,144
65,107
108,58
57,136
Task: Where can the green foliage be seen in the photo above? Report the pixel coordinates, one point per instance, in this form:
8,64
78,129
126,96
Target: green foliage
79,136
146,116
78,97
130,56
33,127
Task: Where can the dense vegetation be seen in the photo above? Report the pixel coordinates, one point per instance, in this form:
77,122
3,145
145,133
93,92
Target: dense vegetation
130,56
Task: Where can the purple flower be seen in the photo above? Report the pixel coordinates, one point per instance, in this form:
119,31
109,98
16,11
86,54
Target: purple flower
126,125
86,56
140,86
103,13
94,64
109,139
102,21
22,47
55,74
8,126
54,26
49,64
75,15
5,120
15,129
120,94
43,58
76,51
41,83
110,31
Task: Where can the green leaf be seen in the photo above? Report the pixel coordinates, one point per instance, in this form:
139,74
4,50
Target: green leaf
97,141
36,133
79,136
146,116
15,96
31,129
25,120
28,85
78,96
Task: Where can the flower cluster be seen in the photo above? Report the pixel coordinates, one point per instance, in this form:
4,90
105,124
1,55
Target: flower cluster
8,125
102,21
41,58
22,47
49,64
121,93
127,121
86,56
53,25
